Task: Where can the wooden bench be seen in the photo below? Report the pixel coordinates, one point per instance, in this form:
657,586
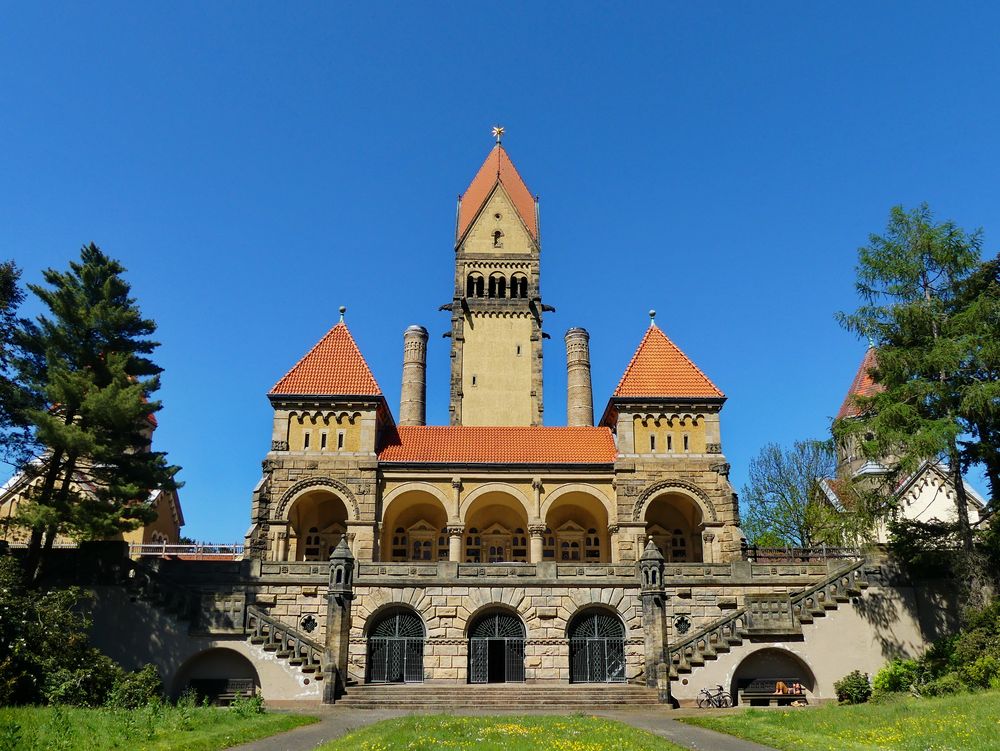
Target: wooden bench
763,691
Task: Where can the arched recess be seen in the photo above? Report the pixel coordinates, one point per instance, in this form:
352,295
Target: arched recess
496,527
771,664
675,522
496,646
218,675
414,525
693,492
395,646
317,520
576,528
304,486
596,646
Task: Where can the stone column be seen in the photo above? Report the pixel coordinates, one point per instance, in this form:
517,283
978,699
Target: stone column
338,622
579,393
413,396
455,533
537,551
654,620
456,488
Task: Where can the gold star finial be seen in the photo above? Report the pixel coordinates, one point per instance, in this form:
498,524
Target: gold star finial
498,132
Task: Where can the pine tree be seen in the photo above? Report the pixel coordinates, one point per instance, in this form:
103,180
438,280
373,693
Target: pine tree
16,443
88,359
910,280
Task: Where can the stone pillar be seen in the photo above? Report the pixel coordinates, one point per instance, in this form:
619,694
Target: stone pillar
413,396
615,555
338,622
455,533
654,620
536,486
579,393
536,554
456,488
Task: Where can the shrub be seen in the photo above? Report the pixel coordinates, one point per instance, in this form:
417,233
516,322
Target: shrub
246,706
946,685
898,675
88,685
853,688
137,689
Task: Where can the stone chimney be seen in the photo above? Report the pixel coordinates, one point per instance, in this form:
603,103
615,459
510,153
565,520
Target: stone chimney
579,393
413,397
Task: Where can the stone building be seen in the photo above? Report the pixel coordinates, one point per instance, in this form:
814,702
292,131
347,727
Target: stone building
390,561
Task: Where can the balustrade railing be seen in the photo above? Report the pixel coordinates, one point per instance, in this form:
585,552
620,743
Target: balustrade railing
285,641
198,550
757,554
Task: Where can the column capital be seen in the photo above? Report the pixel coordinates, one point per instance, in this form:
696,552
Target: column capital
536,530
613,529
456,483
456,530
536,483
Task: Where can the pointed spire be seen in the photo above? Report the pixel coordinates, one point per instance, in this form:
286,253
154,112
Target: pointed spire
651,552
862,385
659,369
333,367
498,169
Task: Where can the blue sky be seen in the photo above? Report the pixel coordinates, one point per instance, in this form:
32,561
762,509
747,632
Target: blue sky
255,166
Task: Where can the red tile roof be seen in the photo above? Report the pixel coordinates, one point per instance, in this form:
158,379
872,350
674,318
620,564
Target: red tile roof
334,367
498,168
862,385
468,444
659,369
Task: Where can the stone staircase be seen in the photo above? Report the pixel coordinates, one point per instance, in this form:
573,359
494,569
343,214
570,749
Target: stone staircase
286,642
768,615
498,697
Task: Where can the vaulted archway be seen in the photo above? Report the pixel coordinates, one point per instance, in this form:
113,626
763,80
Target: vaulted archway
675,523
317,520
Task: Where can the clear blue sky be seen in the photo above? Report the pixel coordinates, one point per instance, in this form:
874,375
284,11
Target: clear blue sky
256,166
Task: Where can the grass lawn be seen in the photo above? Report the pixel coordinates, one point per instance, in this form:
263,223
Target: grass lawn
154,728
970,722
534,733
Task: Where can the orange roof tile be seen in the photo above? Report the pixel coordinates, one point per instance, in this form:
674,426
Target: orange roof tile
498,168
468,444
659,369
334,367
862,385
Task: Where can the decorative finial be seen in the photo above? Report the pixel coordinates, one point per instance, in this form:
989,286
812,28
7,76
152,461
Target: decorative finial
498,132
652,317
343,309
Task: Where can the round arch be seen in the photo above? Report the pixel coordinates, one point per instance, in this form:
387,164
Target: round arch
218,674
675,522
409,487
497,636
317,521
496,526
693,492
304,486
596,636
414,526
496,487
555,495
768,666
576,527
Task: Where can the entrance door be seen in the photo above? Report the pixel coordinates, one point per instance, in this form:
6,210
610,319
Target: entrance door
496,649
396,649
596,648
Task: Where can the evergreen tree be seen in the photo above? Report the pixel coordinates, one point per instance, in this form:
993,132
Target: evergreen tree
910,280
15,437
88,359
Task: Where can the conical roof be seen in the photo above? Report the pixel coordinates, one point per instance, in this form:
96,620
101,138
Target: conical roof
659,369
862,385
498,168
333,367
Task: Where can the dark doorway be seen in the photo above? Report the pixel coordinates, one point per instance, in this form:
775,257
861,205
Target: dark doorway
497,657
496,648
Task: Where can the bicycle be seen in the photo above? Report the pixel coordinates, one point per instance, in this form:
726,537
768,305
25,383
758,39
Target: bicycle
719,699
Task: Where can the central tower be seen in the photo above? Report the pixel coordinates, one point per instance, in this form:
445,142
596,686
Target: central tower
496,310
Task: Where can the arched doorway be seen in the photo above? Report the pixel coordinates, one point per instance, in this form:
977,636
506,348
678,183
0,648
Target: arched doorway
317,520
218,676
771,665
496,648
675,522
396,648
596,648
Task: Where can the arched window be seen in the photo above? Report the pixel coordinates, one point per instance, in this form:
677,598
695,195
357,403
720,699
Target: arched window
497,239
678,547
518,286
498,286
399,544
474,285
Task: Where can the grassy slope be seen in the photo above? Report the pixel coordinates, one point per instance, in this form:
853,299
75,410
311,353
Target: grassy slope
533,733
159,729
970,722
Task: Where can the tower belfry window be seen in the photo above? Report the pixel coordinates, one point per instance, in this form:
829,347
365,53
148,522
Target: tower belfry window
497,239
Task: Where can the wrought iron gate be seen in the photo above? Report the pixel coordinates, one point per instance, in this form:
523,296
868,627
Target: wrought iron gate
496,649
396,649
596,649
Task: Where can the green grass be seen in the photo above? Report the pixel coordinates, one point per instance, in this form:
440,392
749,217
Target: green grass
969,722
534,733
159,728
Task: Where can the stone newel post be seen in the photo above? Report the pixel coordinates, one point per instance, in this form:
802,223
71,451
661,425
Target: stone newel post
338,622
654,621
